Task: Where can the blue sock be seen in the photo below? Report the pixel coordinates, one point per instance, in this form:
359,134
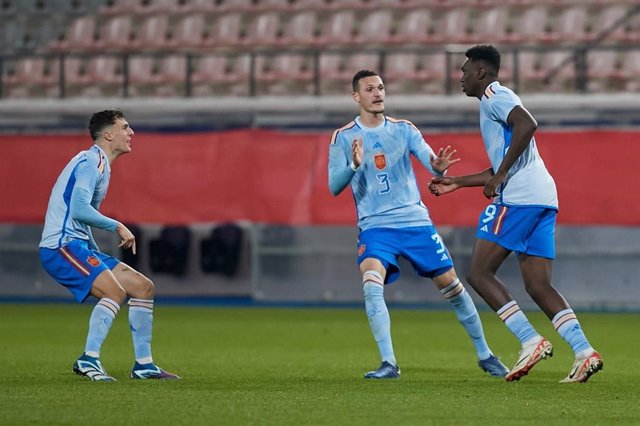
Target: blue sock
99,325
567,325
378,314
517,322
141,324
467,315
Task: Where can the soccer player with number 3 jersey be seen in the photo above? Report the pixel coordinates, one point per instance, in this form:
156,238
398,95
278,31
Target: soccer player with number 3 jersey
520,219
372,155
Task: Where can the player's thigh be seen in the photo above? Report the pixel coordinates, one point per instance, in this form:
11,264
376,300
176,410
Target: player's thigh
106,285
134,283
536,271
487,256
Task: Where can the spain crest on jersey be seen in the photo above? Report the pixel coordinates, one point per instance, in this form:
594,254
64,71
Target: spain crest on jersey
380,161
93,261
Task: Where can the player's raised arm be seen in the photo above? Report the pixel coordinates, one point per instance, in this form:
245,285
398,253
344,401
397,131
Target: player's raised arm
343,164
441,185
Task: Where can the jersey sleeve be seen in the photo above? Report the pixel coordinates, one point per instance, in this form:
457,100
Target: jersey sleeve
340,172
86,176
420,148
502,103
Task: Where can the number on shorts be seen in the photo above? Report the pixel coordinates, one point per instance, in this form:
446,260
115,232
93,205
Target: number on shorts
489,213
438,239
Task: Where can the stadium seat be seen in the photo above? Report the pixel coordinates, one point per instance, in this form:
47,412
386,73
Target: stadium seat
361,61
189,32
606,22
170,252
530,26
152,33
556,72
171,76
451,27
434,66
602,70
220,253
571,26
116,34
491,26
331,70
75,77
263,30
79,36
414,27
528,69
630,70
221,75
142,75
286,73
375,28
301,30
402,73
225,32
33,77
338,29
104,76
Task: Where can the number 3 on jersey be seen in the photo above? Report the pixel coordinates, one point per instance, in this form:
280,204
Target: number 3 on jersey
383,181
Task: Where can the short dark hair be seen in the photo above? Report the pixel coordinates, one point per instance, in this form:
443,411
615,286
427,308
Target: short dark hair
486,53
359,76
102,119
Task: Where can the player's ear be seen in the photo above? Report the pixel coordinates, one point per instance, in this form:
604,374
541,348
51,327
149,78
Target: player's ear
482,72
356,96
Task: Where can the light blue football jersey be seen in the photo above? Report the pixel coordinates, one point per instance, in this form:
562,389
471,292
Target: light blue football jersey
384,187
91,171
528,183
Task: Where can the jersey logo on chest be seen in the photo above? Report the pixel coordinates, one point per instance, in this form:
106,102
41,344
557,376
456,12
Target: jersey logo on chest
380,161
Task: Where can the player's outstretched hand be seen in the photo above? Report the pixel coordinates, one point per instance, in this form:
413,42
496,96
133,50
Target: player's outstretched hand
127,240
444,159
442,185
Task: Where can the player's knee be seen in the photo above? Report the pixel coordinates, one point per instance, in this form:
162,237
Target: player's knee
472,278
147,288
533,291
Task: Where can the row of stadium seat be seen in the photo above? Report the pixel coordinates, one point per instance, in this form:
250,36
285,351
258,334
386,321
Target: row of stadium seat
385,27
294,74
189,6
116,7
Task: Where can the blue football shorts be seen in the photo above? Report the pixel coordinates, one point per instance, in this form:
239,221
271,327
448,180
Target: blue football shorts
76,266
422,246
528,230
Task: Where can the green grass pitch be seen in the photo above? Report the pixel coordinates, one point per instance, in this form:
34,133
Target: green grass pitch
268,366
